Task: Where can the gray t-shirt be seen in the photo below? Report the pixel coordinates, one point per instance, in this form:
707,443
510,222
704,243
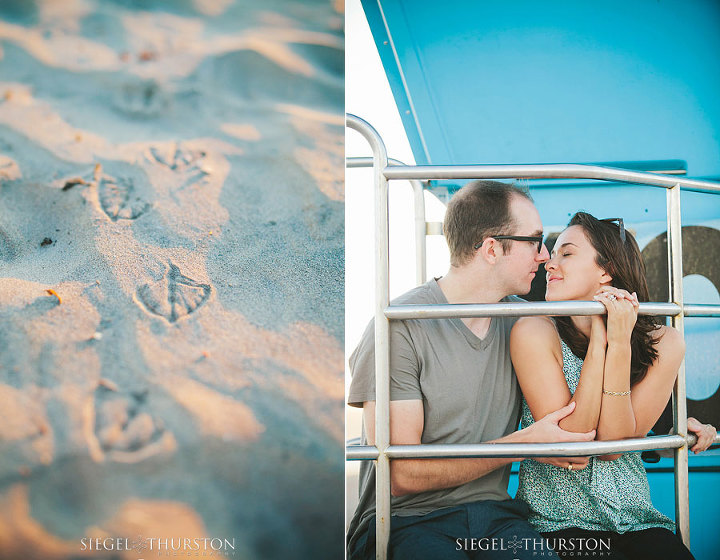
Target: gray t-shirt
469,393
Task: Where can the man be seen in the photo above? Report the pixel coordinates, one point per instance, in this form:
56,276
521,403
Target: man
452,382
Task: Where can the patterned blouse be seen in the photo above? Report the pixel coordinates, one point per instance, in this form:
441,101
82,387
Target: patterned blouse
605,496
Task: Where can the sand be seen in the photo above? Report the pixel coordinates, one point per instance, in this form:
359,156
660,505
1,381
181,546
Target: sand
171,277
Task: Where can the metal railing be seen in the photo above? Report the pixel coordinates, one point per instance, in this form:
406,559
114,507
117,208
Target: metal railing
382,451
567,449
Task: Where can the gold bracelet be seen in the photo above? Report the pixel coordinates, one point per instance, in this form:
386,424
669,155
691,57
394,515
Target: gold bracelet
616,394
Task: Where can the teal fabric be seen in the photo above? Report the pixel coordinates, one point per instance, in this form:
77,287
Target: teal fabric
605,496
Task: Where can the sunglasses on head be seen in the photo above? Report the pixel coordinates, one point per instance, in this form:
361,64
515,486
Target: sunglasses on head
621,225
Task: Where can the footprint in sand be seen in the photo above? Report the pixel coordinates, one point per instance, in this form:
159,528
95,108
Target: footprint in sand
119,200
124,430
190,163
174,296
176,158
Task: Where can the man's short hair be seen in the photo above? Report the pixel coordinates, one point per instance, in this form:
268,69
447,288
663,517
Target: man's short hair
479,210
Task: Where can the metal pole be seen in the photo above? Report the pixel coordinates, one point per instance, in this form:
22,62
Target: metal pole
674,234
557,449
382,335
701,310
546,171
568,449
519,309
539,308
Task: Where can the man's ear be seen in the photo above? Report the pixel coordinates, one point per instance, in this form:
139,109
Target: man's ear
490,250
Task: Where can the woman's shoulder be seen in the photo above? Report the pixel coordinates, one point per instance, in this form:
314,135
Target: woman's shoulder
668,340
536,329
670,347
533,341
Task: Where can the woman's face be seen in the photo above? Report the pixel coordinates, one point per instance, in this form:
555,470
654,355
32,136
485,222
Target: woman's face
572,272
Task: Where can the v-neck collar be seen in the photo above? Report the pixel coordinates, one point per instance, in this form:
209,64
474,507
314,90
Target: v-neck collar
474,340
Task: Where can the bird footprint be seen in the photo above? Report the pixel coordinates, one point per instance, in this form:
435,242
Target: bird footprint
118,199
123,428
174,296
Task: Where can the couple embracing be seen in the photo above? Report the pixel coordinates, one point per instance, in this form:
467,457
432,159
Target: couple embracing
603,377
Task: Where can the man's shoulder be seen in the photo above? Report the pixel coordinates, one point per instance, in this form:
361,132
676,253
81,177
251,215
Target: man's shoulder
420,295
424,294
430,293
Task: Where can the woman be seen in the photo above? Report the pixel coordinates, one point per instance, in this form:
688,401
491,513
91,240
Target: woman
620,371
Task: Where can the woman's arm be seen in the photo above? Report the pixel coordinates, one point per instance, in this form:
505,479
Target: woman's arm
537,357
617,416
633,415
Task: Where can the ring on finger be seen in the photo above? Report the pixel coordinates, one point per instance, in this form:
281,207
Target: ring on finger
612,297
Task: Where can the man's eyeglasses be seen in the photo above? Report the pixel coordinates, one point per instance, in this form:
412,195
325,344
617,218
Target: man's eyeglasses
621,225
534,238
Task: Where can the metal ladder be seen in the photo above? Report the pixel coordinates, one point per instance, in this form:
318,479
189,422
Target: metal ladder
382,452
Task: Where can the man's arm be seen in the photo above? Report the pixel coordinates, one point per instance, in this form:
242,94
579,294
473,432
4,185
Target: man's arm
412,476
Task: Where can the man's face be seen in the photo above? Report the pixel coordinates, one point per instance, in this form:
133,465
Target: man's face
522,259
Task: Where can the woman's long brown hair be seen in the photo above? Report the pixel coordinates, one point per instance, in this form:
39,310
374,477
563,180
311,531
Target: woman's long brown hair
623,262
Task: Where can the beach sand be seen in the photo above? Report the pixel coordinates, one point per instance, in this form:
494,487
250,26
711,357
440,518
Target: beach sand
171,278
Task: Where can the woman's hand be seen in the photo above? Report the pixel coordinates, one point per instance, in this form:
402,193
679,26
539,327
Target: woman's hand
622,310
705,434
